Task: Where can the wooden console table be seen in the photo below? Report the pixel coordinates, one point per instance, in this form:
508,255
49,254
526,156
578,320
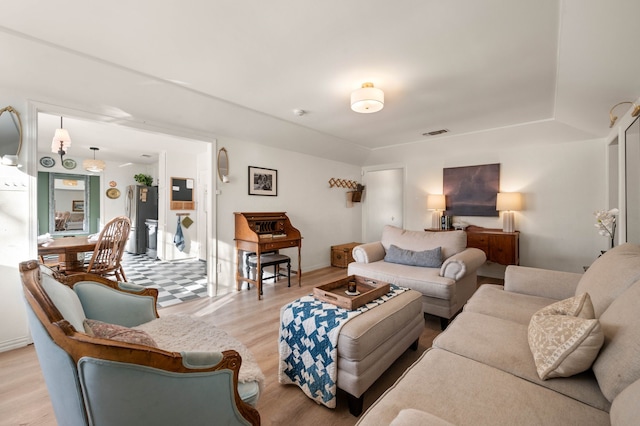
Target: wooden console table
500,247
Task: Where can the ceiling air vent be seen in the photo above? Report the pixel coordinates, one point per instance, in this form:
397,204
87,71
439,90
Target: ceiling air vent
435,132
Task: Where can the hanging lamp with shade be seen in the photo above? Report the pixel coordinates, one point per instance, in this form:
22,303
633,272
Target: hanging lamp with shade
61,141
94,165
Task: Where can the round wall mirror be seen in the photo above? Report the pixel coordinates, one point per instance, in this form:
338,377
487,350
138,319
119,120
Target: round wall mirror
10,136
223,165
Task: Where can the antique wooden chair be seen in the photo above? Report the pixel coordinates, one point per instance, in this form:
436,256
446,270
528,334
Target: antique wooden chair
107,256
100,381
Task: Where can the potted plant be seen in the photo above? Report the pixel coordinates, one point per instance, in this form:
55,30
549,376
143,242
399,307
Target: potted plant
143,179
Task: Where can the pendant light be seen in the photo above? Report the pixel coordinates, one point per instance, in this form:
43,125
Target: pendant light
94,165
61,142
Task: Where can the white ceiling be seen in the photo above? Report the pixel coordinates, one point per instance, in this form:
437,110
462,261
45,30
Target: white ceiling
240,68
115,143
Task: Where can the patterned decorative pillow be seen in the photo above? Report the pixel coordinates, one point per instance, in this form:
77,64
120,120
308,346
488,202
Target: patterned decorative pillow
578,306
563,339
427,258
105,330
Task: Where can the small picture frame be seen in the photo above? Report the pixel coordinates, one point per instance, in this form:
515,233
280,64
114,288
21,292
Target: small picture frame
263,181
77,205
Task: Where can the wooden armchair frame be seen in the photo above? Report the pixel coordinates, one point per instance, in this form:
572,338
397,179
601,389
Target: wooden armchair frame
78,344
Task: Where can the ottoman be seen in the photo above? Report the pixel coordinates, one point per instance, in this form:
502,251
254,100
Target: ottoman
369,343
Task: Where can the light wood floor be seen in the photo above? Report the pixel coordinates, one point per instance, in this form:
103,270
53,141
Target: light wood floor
24,399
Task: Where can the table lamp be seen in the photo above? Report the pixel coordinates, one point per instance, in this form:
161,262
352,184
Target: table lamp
437,203
507,203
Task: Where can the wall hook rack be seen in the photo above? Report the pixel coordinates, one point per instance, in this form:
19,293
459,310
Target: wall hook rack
343,183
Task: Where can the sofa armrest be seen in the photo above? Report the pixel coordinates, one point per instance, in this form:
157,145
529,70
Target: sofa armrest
369,252
459,264
547,283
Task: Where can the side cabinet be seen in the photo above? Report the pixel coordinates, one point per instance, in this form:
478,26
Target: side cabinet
500,247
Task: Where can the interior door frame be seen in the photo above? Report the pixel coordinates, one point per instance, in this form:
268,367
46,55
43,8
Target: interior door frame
379,168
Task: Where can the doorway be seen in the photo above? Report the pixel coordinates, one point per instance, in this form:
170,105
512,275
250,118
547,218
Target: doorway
384,201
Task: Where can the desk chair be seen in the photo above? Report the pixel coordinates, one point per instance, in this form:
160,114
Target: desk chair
270,259
107,256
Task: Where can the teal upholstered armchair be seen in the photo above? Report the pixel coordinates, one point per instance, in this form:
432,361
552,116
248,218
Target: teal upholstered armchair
101,381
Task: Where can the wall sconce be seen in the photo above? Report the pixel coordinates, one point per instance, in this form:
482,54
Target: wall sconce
437,203
507,203
613,118
61,142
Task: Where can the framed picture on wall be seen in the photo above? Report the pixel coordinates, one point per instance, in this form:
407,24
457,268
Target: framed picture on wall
472,190
263,181
77,205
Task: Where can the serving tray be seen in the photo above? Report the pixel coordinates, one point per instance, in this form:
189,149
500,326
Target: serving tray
335,292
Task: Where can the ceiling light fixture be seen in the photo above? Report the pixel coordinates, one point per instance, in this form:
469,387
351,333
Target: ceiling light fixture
61,142
94,165
367,99
613,118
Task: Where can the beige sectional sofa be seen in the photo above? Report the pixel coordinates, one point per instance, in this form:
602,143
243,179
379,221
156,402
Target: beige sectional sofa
481,370
445,288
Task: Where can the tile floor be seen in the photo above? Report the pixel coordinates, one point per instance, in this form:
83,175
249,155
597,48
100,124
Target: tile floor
176,281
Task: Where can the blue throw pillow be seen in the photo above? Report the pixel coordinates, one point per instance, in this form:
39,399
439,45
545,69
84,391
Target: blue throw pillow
427,258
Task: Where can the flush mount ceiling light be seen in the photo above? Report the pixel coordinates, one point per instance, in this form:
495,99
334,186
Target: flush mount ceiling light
367,99
94,165
613,118
61,142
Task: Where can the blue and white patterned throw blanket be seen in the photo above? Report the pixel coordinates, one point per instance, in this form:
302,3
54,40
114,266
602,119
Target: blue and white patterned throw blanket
308,344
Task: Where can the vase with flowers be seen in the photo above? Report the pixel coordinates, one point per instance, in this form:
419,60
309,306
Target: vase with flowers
606,224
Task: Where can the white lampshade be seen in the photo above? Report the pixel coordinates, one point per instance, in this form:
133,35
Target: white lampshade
367,99
61,135
509,201
436,202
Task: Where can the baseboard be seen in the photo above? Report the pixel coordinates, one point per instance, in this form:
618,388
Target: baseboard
10,345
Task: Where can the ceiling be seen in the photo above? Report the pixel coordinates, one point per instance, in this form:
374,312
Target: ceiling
239,68
115,143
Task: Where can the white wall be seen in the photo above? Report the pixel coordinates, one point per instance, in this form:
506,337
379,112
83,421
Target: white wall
15,233
122,176
178,165
319,212
562,184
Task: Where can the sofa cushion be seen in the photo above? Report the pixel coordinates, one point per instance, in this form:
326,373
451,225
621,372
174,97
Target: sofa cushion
451,242
427,258
65,300
105,330
625,409
618,364
425,280
465,392
503,344
493,300
563,345
610,275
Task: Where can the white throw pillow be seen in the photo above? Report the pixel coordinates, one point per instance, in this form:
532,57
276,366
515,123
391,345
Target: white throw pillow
563,339
66,300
